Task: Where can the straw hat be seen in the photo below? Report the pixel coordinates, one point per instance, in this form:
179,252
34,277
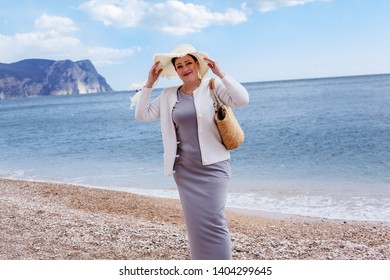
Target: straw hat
180,51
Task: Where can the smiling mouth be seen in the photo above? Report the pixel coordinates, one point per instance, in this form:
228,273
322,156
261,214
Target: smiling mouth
187,74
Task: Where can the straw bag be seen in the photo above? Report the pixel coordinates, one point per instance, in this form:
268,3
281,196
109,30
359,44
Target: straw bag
230,130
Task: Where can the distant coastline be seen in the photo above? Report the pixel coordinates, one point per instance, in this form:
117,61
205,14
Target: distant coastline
43,77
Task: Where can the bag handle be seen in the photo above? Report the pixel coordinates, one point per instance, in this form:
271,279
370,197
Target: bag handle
217,102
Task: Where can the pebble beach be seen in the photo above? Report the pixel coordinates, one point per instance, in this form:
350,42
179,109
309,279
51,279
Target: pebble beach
55,221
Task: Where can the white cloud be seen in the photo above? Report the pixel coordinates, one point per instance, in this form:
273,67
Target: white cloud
51,41
36,44
107,56
122,13
172,17
178,18
60,24
265,6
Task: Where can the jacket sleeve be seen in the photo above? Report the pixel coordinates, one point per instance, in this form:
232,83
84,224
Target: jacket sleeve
231,92
147,110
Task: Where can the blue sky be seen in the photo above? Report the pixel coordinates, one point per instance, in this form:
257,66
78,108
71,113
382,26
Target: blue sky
254,40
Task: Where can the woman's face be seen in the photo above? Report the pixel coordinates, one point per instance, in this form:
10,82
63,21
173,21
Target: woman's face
187,68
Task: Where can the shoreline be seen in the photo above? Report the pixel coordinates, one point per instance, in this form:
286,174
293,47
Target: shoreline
247,211
43,220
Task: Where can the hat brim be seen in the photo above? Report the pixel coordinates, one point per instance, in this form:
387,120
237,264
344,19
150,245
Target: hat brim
168,68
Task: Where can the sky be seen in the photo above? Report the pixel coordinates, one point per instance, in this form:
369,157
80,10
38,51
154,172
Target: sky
253,40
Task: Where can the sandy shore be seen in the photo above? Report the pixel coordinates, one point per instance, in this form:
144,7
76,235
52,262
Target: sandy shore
58,221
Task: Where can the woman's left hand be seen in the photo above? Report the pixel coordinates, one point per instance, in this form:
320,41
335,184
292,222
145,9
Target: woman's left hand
214,66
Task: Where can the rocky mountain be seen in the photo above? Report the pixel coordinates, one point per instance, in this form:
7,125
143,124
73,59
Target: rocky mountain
33,77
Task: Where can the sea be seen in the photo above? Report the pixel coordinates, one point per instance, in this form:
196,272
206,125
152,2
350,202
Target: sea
313,147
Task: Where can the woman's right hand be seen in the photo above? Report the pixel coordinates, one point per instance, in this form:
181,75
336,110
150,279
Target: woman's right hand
153,75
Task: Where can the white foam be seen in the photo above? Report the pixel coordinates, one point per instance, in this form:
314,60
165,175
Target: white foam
322,203
356,208
359,208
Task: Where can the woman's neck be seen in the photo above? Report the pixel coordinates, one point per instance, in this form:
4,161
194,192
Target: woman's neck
190,86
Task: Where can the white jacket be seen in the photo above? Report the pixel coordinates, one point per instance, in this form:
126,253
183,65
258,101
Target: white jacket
231,93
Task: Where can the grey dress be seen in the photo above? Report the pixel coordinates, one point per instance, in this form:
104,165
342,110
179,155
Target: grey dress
202,188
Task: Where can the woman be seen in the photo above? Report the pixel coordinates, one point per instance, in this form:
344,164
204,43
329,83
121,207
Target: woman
193,151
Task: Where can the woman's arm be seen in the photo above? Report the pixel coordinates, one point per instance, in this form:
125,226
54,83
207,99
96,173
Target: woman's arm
147,110
231,92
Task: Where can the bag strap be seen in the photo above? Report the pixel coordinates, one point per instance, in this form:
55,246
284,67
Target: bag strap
217,102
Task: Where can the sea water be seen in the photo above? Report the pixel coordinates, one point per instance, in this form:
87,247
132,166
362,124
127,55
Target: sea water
315,147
